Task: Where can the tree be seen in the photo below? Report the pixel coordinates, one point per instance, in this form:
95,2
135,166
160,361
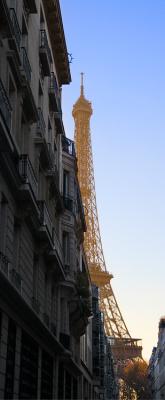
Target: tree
134,381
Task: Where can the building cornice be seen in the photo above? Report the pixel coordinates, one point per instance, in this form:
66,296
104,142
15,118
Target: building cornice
57,37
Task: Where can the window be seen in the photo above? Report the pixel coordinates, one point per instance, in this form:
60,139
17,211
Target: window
23,139
3,222
13,4
46,376
28,368
66,248
10,361
41,182
13,102
16,243
66,183
52,304
35,275
46,292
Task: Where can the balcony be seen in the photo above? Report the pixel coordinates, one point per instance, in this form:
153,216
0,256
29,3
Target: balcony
16,280
16,31
53,328
4,264
81,305
58,122
65,340
68,203
41,126
55,256
5,107
51,155
5,20
53,175
58,247
54,100
29,187
7,143
30,5
46,228
46,319
26,65
47,154
68,146
35,305
29,105
80,214
45,53
78,322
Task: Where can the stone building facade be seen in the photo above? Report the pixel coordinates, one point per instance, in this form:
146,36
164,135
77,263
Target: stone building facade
156,370
45,289
104,375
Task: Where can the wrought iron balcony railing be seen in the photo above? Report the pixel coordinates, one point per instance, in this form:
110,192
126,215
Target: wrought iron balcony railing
58,246
4,264
53,328
16,279
27,173
46,319
54,93
53,84
68,203
45,217
35,305
31,6
65,340
26,64
44,43
16,28
68,146
51,154
41,126
45,53
5,107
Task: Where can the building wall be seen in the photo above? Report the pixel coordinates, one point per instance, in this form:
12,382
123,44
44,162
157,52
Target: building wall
41,318
156,371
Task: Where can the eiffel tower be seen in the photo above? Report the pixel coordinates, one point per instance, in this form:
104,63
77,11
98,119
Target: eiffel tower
124,347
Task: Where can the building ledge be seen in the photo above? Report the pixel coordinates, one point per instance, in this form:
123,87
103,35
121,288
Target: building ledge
57,36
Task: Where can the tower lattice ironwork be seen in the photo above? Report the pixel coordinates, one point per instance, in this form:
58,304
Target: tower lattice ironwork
123,345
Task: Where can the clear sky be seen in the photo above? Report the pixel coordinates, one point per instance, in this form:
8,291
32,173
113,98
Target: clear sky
120,46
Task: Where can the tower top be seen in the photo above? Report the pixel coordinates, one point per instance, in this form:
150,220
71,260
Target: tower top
82,104
82,85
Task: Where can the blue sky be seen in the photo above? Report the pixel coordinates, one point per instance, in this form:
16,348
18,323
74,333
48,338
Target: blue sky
120,46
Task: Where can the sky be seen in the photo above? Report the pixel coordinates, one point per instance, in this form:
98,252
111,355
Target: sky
120,46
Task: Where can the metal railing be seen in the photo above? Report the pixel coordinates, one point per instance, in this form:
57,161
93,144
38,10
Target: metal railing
41,75
12,274
36,305
46,319
4,264
41,126
53,328
16,279
44,44
65,340
68,203
26,64
45,217
68,146
16,28
53,86
58,246
51,153
27,173
5,107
